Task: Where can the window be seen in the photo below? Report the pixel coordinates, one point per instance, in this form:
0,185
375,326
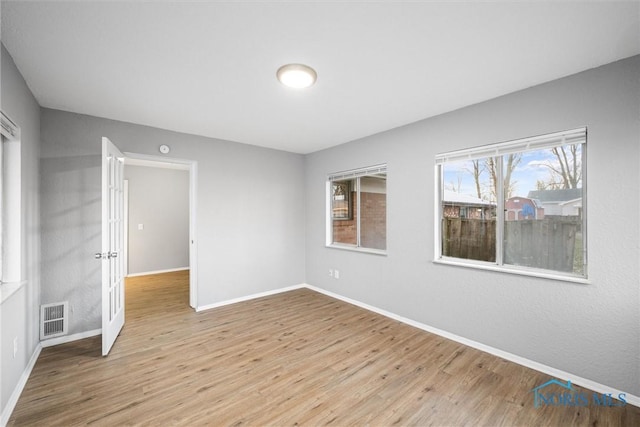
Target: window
10,225
517,206
357,216
2,139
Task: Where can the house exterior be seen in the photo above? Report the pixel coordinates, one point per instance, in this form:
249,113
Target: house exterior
519,208
458,205
564,202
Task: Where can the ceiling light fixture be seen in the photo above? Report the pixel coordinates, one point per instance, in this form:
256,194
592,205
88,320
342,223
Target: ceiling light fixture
296,76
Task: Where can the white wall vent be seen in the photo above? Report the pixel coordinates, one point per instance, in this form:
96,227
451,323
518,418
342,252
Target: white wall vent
54,320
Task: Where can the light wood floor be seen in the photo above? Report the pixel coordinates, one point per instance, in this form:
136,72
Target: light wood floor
297,358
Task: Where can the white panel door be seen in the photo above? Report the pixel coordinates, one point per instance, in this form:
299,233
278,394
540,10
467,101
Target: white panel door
112,244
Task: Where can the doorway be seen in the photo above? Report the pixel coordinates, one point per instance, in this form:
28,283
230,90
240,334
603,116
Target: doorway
161,227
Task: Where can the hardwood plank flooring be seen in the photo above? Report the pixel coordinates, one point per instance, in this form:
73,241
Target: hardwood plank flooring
296,358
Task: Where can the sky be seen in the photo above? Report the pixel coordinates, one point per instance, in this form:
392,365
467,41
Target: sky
532,167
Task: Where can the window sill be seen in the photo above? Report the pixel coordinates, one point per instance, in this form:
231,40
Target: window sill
357,249
8,289
521,271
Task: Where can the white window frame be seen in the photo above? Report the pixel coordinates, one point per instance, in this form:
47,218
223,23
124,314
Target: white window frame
345,175
574,136
10,204
2,180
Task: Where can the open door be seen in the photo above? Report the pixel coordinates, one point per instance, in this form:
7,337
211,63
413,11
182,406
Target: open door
112,244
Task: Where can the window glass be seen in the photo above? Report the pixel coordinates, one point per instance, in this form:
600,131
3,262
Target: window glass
468,211
537,183
543,209
373,208
358,208
344,221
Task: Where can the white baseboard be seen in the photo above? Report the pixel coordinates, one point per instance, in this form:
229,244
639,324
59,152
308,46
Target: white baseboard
563,375
13,400
146,273
70,338
557,373
249,297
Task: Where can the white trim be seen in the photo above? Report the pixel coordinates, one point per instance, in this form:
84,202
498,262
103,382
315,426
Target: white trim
562,375
328,221
192,166
12,215
522,271
249,297
2,207
356,173
585,230
113,295
8,128
193,221
354,248
169,270
17,391
125,243
70,338
557,373
437,207
573,136
135,159
359,212
501,204
8,289
22,382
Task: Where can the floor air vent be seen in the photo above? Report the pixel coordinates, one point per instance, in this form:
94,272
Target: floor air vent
54,320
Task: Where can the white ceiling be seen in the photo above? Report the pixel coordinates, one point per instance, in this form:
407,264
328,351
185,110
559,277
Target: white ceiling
208,68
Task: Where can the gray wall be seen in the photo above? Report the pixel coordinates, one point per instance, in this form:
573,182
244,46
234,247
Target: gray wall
587,330
159,200
250,214
20,314
251,235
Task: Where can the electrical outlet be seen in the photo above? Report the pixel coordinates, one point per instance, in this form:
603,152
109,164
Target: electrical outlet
330,273
336,274
15,347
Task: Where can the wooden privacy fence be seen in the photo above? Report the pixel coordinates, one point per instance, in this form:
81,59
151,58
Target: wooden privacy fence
469,238
548,243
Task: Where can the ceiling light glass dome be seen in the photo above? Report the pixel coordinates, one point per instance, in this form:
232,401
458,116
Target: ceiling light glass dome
297,76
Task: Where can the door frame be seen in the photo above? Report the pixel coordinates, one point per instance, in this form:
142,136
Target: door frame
192,167
125,249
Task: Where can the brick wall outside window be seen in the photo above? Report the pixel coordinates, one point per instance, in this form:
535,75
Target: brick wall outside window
373,222
344,231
